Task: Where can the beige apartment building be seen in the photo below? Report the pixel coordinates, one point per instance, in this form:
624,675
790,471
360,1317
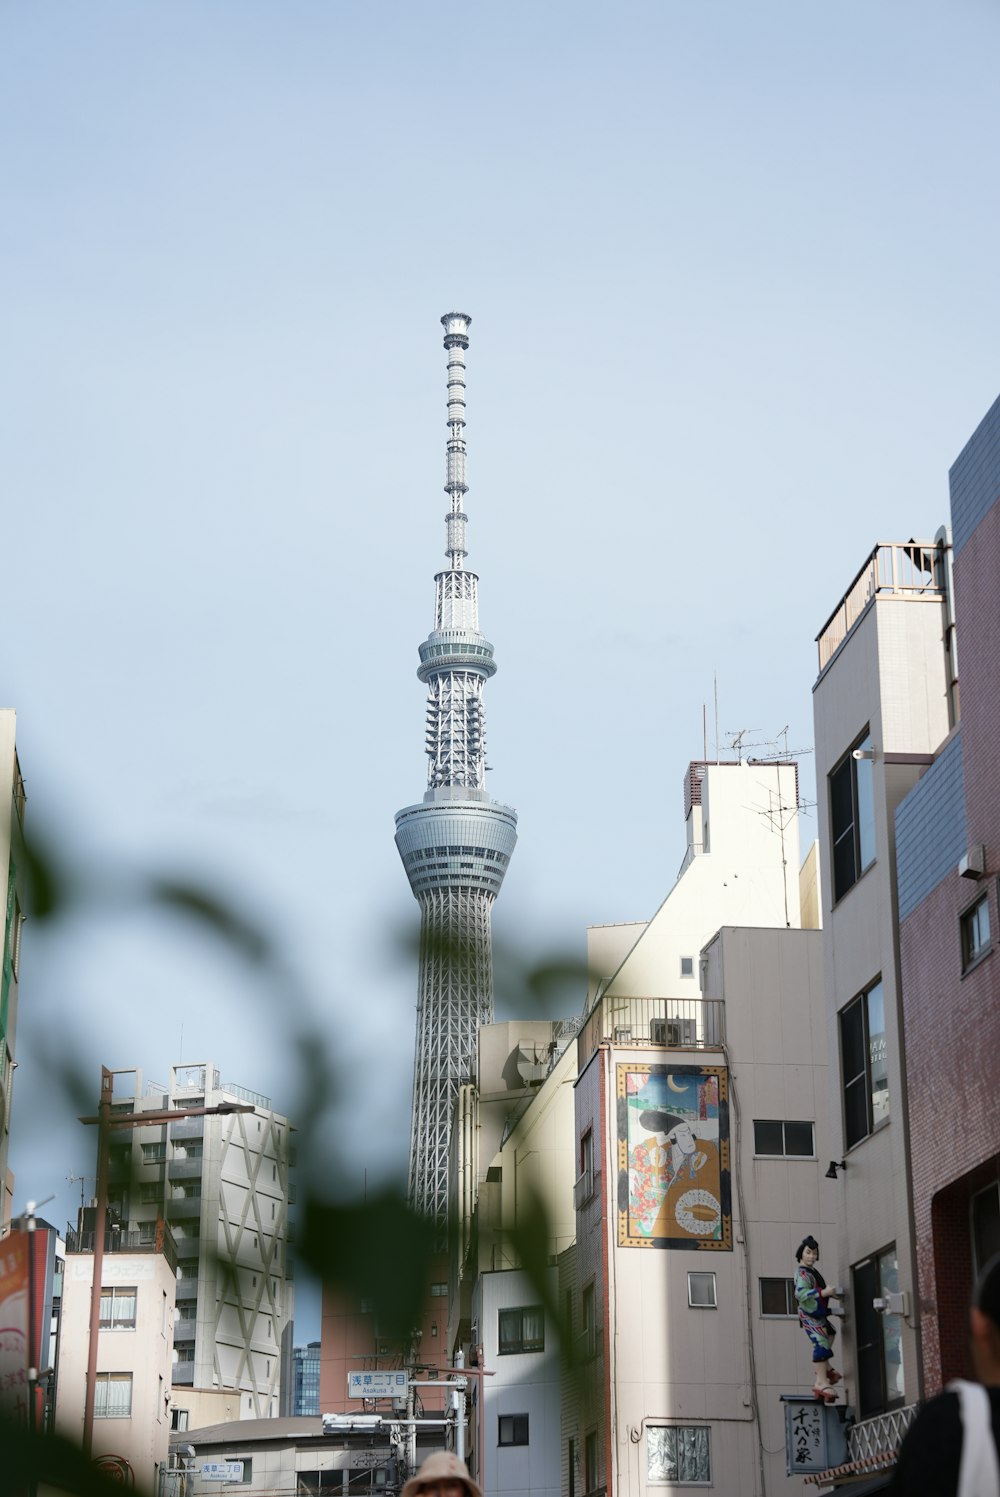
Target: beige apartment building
133,1392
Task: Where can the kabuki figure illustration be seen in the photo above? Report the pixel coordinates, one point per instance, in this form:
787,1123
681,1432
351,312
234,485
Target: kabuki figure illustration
812,1294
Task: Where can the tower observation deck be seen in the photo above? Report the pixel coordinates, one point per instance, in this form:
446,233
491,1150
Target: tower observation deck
456,844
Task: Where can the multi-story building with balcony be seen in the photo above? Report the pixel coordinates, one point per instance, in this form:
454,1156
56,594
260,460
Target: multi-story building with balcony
223,1184
700,1141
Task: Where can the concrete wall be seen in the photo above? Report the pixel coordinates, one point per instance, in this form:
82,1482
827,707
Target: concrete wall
747,874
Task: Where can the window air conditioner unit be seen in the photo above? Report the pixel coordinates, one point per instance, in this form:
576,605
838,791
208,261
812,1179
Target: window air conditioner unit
623,1034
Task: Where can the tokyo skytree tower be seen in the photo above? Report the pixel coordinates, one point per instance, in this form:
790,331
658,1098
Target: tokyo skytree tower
456,844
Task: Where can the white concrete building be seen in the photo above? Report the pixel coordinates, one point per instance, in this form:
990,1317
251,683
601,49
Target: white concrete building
223,1184
512,1160
132,1400
884,702
702,1139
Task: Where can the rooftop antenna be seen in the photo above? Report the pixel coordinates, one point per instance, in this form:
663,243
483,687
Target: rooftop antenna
715,684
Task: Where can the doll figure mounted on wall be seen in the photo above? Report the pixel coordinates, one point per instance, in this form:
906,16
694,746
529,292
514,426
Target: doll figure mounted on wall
812,1295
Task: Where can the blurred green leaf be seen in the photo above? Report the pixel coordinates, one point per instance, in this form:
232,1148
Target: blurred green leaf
45,887
379,1249
211,912
29,1460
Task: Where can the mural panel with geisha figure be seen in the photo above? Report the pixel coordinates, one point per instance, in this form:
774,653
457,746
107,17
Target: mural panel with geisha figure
674,1184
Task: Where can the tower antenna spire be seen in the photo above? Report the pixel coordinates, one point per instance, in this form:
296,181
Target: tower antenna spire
456,340
456,844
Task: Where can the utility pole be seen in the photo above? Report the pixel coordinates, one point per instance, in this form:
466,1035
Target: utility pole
106,1121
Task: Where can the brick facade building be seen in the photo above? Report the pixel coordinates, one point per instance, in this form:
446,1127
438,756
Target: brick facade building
948,861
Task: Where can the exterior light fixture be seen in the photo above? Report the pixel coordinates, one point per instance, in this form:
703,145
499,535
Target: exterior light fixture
831,1173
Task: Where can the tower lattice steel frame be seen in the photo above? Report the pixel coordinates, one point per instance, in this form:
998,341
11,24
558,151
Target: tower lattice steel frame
456,844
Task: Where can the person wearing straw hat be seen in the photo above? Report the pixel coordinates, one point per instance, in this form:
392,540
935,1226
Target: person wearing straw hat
442,1475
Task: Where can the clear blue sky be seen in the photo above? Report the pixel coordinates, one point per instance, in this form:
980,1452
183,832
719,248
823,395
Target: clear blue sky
732,275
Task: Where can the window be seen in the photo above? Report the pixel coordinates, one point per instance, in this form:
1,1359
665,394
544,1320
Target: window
678,1453
687,966
985,1226
852,817
522,1329
588,1317
245,1461
513,1429
147,1232
585,1184
777,1297
178,1418
118,1308
151,1193
863,1064
783,1140
975,925
701,1290
113,1395
439,1291
879,1335
153,1153
590,1481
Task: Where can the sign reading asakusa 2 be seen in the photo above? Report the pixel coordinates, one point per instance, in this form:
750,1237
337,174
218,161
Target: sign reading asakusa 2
376,1385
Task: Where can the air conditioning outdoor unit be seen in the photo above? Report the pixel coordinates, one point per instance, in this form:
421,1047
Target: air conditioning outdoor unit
676,1033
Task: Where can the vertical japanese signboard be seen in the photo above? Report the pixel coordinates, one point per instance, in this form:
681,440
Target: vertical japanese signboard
815,1439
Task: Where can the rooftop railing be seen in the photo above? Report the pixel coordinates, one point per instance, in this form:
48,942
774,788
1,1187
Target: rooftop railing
902,569
117,1241
652,1023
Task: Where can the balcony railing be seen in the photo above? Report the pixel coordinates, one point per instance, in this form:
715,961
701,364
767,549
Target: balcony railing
881,1436
187,1127
116,1241
185,1169
246,1095
902,569
182,1374
184,1206
653,1023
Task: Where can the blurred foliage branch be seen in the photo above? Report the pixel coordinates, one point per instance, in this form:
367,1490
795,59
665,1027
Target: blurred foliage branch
373,1248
